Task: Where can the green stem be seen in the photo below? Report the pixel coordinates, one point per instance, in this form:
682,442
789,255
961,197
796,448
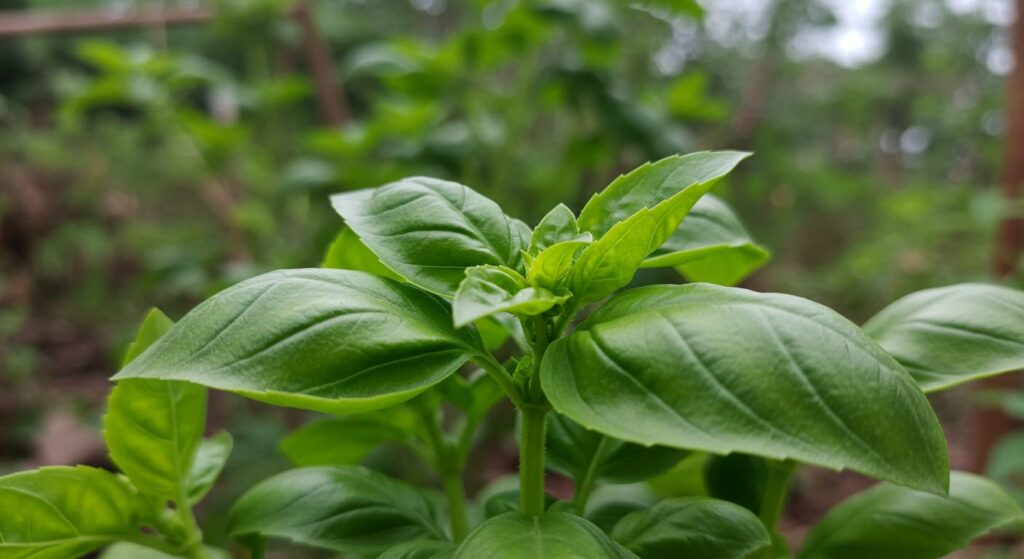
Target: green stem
193,545
586,485
774,500
531,460
501,376
449,466
257,547
456,494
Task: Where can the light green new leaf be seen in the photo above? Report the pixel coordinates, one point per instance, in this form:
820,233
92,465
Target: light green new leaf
152,427
584,454
347,252
134,551
557,226
692,527
710,245
429,231
652,183
348,509
420,549
551,268
890,522
347,439
488,290
62,513
515,535
725,370
952,335
335,341
207,465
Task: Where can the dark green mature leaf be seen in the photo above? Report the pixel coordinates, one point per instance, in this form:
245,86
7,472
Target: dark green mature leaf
606,515
890,522
335,341
652,183
692,527
580,453
207,465
488,290
515,535
955,334
152,427
420,549
710,245
61,512
347,252
348,439
737,478
728,370
348,509
557,226
429,231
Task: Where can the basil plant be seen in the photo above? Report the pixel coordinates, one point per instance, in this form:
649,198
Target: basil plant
433,306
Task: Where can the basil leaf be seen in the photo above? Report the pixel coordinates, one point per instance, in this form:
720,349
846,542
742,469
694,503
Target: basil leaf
488,290
558,225
551,268
725,370
152,427
952,335
347,439
335,341
710,245
347,252
420,549
515,535
209,460
124,550
606,515
737,478
429,231
348,509
583,454
890,522
61,512
692,527
652,183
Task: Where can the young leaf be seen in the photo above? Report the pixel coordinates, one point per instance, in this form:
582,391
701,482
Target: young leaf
61,512
956,334
551,268
515,535
348,509
335,341
347,252
125,550
347,439
589,455
557,226
890,522
488,290
710,245
429,231
726,370
152,427
420,549
692,527
652,183
207,465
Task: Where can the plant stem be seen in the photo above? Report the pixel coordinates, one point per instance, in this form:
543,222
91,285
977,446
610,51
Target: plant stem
586,485
501,376
531,460
449,466
774,500
456,494
193,546
257,547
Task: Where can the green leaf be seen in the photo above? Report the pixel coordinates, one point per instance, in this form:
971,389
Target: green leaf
557,226
335,341
551,268
606,515
652,183
581,453
64,512
502,502
726,370
347,439
890,522
125,550
429,231
710,245
347,252
692,527
152,427
488,290
515,535
420,549
347,509
737,478
955,334
207,465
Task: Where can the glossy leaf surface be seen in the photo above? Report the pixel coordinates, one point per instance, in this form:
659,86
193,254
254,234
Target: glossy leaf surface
956,334
558,225
891,522
514,535
335,341
729,370
488,290
347,439
347,252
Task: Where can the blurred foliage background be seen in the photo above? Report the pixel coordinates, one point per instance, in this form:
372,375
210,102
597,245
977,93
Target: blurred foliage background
155,165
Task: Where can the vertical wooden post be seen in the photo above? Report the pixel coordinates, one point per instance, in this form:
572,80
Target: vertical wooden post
991,424
318,56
